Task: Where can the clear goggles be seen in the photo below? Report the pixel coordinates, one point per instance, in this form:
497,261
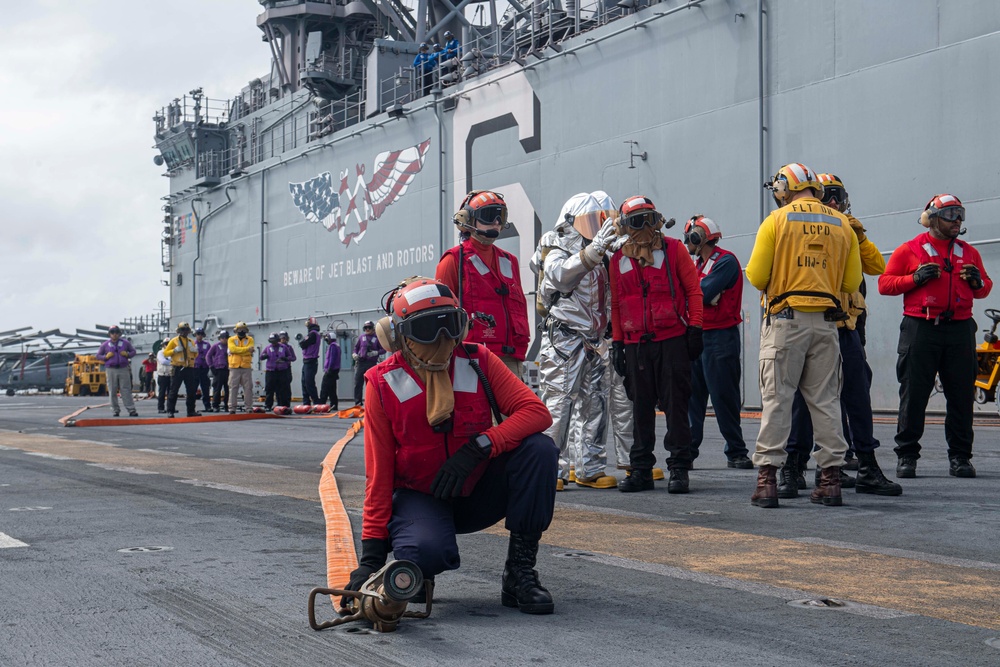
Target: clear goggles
951,213
494,214
640,219
426,327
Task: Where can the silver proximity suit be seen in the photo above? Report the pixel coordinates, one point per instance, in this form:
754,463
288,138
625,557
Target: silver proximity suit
573,357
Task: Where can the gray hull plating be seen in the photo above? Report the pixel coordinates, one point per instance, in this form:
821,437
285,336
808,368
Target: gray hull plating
897,98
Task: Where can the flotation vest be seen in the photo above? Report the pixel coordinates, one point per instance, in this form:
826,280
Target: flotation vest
725,312
810,252
421,448
949,292
498,295
651,302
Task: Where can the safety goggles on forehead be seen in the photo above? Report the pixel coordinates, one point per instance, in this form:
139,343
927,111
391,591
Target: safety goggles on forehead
951,213
493,214
640,219
427,327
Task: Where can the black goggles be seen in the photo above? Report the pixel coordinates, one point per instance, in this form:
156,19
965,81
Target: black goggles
427,327
641,219
491,215
833,195
951,213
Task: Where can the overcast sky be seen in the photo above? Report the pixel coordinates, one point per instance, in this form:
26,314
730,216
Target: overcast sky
79,193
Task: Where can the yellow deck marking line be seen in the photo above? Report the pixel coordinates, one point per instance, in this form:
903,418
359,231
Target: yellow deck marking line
965,595
341,557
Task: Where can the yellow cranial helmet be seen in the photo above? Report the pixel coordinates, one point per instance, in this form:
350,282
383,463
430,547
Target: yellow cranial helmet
793,177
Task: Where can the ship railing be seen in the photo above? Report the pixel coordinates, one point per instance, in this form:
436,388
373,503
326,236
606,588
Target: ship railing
518,35
191,108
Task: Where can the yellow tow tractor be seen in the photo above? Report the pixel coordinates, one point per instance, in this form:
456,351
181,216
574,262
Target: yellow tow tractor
86,377
988,362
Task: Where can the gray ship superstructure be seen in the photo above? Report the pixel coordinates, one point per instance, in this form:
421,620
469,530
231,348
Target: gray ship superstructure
322,184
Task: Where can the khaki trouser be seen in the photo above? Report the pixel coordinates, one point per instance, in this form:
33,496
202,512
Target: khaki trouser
802,353
120,380
516,367
240,377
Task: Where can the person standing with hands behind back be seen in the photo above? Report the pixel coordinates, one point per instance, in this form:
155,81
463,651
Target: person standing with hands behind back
804,257
487,279
366,353
938,276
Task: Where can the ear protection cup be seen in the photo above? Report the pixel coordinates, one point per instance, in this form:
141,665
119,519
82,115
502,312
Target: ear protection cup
780,191
925,218
463,217
386,334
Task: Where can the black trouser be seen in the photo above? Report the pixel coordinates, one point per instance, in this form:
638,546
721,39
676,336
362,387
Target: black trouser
285,387
205,385
146,385
359,379
659,374
855,403
163,387
220,388
519,484
271,381
716,373
186,376
328,392
309,370
947,349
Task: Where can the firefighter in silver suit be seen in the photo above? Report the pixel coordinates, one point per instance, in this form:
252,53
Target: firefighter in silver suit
575,299
620,411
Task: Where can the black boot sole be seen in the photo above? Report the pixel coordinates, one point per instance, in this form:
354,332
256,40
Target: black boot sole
786,494
510,600
877,490
634,489
678,489
906,474
829,502
766,503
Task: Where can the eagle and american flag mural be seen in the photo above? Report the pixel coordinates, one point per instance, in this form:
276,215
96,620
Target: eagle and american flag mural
349,211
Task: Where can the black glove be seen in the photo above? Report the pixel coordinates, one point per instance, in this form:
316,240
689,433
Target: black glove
618,357
926,272
694,342
970,273
374,553
451,477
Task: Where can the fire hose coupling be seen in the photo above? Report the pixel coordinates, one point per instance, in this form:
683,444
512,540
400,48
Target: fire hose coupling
381,600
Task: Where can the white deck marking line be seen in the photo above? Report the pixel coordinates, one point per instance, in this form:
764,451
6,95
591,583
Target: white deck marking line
616,512
8,542
228,487
255,464
780,592
161,452
54,457
902,553
134,471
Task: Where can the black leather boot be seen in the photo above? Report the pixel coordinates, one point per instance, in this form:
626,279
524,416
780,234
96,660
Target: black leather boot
788,478
678,482
872,480
638,480
520,587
